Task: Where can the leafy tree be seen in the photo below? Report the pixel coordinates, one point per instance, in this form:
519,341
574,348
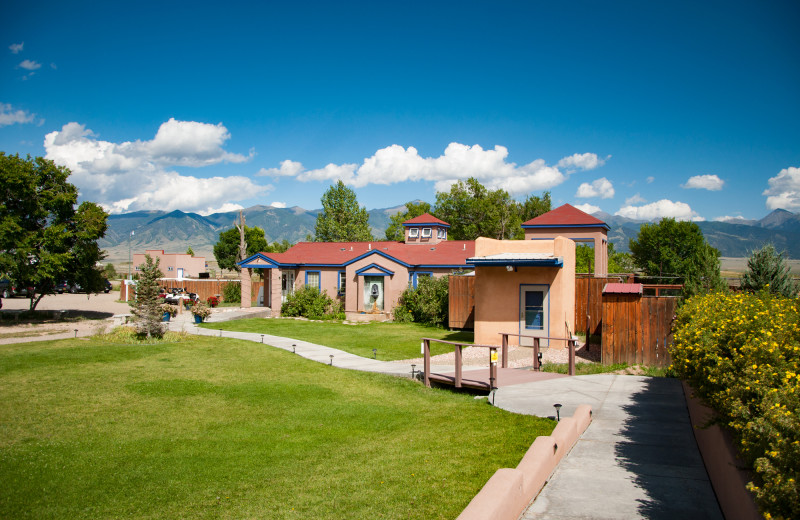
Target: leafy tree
226,250
44,239
617,262
767,269
146,306
341,218
190,251
473,211
109,271
677,252
395,231
534,206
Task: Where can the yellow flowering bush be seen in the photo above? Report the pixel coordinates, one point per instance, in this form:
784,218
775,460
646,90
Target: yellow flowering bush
741,352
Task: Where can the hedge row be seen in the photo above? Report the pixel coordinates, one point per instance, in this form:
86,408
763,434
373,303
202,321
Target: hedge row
741,352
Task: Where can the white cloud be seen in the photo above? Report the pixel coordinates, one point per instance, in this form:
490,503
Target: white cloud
657,210
636,199
588,208
16,48
650,179
9,116
730,219
581,161
704,182
30,65
277,204
784,190
132,176
395,164
225,208
602,188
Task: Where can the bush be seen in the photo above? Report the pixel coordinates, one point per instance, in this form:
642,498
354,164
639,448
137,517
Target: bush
428,304
212,301
309,302
742,354
232,292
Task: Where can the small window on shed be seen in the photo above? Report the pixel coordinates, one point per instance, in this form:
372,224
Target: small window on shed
426,232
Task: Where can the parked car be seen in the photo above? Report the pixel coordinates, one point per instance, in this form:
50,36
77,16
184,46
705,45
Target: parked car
76,288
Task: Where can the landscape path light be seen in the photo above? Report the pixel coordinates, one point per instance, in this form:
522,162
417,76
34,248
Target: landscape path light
557,406
331,359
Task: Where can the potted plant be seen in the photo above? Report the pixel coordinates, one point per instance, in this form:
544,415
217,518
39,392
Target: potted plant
200,312
168,310
212,301
187,303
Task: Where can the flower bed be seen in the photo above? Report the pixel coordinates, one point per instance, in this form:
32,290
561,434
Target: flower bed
741,352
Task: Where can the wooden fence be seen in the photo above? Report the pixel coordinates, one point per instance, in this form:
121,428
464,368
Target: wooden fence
462,302
203,288
589,302
637,330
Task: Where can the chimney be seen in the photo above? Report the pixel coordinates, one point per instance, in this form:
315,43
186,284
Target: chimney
370,247
465,247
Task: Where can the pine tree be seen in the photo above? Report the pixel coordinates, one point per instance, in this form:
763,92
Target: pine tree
767,269
146,305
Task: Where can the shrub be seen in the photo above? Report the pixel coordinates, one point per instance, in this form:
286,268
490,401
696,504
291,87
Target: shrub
310,303
742,354
232,292
427,304
212,301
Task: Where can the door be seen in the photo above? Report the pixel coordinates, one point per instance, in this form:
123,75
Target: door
373,293
287,285
180,273
534,313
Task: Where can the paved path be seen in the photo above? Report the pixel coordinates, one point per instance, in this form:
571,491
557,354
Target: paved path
638,458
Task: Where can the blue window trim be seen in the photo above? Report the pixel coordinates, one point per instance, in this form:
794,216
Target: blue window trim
319,287
342,274
546,330
413,276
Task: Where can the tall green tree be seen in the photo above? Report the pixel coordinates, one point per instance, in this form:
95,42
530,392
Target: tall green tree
226,250
767,269
618,262
474,211
190,251
146,306
341,218
44,237
677,252
395,231
533,206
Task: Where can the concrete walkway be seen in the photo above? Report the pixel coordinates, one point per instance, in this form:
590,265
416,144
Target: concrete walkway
638,458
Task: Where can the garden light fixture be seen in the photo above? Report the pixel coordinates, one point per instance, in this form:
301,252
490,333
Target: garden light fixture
331,359
413,371
374,353
557,406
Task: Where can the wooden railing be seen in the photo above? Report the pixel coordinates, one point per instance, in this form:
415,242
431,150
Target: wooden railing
426,351
571,342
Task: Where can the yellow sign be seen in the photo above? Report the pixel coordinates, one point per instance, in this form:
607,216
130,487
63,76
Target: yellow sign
494,356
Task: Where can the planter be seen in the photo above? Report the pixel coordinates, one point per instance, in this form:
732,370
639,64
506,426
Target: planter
187,306
198,319
166,316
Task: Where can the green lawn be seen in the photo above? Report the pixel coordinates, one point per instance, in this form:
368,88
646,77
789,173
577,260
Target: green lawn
211,427
394,341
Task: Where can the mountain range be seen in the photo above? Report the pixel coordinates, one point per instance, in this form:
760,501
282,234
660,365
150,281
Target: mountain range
176,231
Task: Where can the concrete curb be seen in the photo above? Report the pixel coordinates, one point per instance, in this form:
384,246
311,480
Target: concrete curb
721,461
509,491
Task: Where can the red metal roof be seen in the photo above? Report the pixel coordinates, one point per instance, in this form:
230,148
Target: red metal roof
565,216
451,252
426,218
623,288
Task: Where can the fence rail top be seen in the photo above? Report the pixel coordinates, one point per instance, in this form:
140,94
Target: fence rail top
460,344
536,337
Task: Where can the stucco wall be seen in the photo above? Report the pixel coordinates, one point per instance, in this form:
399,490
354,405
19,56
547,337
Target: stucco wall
169,263
497,300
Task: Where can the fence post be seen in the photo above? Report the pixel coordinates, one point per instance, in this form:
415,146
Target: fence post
571,343
536,354
426,356
493,370
458,366
505,350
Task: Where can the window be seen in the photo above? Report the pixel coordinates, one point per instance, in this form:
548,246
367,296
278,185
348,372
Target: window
413,278
534,310
426,232
313,279
169,268
441,233
342,282
413,232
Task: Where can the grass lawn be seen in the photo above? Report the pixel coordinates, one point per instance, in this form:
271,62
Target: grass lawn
393,340
206,427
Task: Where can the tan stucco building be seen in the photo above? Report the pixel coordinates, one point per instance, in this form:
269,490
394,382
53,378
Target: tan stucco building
173,265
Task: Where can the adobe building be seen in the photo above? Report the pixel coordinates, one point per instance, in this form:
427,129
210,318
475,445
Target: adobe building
176,266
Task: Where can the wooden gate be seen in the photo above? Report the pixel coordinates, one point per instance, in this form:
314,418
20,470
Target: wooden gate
637,330
461,314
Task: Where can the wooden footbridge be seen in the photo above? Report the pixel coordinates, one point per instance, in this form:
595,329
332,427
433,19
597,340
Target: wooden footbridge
493,376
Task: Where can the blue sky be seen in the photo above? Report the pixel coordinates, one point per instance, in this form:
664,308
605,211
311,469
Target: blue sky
643,109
